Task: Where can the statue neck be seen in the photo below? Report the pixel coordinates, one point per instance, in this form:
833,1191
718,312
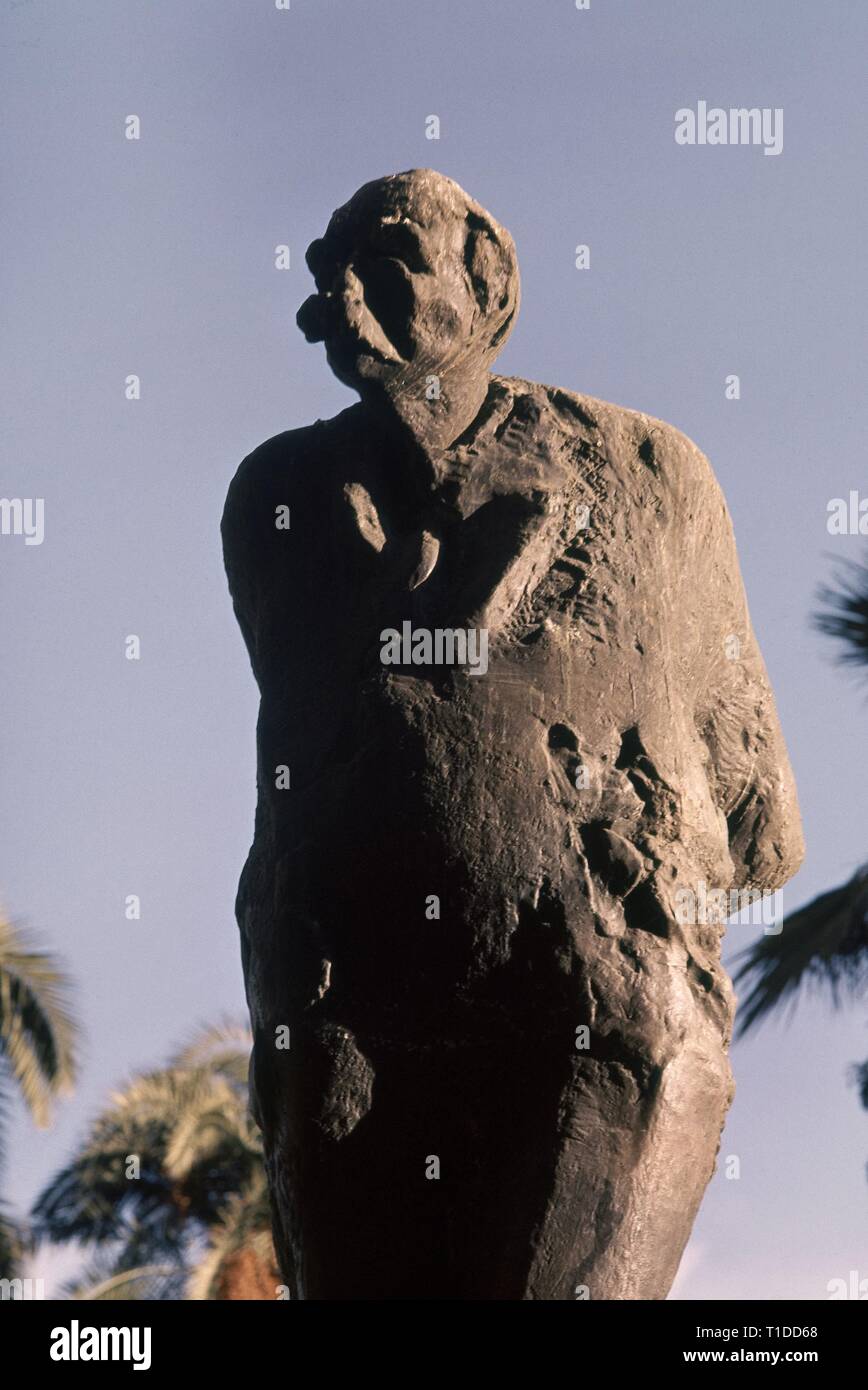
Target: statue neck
423,423
441,408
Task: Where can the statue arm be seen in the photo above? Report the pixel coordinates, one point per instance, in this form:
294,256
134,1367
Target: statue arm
751,776
238,553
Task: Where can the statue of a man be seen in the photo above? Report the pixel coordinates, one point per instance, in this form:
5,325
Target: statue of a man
515,737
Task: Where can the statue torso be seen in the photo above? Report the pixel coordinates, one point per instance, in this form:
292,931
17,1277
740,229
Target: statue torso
569,559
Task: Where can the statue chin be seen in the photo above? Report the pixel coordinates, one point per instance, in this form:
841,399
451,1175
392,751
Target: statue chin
359,367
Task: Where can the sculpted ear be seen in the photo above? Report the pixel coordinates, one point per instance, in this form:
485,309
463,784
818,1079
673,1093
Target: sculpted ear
492,268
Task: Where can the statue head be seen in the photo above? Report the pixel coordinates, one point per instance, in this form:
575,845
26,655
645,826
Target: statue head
413,280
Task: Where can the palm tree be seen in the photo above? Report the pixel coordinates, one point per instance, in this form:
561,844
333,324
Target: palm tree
38,1044
825,944
168,1185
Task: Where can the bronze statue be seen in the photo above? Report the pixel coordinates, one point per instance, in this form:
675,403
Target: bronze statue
512,707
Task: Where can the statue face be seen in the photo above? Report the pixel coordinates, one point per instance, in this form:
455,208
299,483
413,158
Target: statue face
398,287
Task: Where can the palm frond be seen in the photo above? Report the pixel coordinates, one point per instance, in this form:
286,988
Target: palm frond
12,1245
172,1166
244,1226
859,1076
824,944
846,615
39,1036
156,1167
144,1282
223,1048
215,1125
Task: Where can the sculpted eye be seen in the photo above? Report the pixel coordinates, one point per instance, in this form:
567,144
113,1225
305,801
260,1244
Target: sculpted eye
389,297
400,241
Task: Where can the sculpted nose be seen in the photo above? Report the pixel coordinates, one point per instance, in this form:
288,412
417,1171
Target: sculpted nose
344,302
311,318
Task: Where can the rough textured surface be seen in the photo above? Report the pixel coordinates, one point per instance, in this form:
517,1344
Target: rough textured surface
620,746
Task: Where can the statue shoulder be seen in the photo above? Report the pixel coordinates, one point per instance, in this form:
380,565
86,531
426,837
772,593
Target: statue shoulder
269,468
674,463
288,469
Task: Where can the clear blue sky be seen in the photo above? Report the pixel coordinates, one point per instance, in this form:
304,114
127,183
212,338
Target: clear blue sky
155,257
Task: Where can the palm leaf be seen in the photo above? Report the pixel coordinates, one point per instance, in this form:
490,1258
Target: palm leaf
142,1282
245,1224
38,1033
860,1077
119,1185
846,615
188,1129
824,944
11,1245
213,1126
224,1048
